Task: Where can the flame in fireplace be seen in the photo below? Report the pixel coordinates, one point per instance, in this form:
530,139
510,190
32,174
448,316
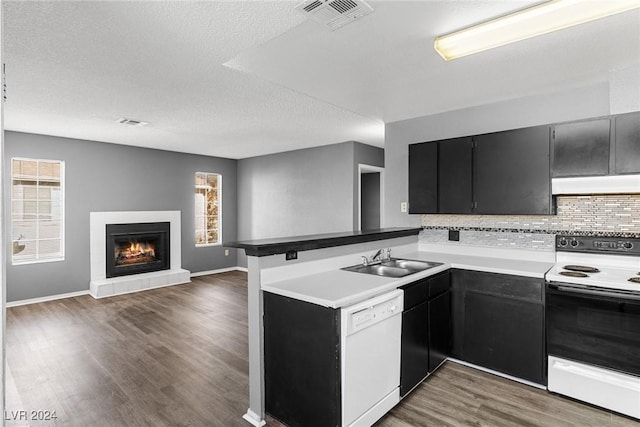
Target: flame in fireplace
135,252
137,249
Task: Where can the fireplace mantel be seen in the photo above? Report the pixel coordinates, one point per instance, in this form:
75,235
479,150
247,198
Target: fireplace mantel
101,286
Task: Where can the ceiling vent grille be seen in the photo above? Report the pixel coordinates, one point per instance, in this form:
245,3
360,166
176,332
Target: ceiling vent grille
131,122
334,14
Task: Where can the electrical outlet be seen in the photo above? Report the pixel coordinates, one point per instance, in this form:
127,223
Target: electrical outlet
226,252
403,207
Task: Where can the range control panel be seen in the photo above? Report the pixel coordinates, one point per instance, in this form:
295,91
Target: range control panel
596,244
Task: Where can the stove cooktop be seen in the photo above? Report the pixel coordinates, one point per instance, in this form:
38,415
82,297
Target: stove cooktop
581,268
598,262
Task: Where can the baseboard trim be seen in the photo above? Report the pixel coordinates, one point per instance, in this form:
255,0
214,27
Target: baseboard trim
219,270
499,374
253,418
87,292
46,299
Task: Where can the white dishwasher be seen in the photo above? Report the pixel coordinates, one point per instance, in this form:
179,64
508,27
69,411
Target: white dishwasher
370,356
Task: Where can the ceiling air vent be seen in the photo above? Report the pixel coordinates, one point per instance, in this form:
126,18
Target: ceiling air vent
131,122
334,13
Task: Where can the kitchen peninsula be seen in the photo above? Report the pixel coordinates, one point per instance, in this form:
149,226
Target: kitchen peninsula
307,273
315,259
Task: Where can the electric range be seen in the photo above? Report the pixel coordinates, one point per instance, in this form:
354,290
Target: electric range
593,321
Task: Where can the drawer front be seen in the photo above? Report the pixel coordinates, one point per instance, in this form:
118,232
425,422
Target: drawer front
505,285
415,293
439,284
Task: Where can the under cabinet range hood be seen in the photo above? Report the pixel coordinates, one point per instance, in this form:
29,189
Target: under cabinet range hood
610,184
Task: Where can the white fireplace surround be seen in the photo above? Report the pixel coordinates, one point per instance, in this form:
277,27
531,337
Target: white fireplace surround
101,286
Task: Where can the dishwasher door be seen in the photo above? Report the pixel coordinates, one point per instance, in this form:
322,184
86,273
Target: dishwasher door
370,340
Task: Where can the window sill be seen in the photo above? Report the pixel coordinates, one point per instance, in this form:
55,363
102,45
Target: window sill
207,245
37,261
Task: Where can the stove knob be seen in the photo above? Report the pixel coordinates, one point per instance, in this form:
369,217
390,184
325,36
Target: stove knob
562,242
627,245
574,243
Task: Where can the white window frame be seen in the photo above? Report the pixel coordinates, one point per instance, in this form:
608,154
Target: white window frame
62,215
219,243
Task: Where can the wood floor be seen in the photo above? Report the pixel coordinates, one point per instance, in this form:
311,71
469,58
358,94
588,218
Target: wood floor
177,356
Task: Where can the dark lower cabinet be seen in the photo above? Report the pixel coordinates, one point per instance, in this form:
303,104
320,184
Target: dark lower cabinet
426,329
414,359
505,335
627,143
302,363
439,329
498,323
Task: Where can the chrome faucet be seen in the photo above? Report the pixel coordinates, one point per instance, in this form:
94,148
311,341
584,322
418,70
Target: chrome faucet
381,255
377,255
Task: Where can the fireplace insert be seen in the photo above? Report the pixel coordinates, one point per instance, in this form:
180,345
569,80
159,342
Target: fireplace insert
137,248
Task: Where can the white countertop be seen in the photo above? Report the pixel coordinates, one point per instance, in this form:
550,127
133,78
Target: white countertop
516,267
338,288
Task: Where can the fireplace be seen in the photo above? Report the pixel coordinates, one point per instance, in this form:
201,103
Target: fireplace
137,248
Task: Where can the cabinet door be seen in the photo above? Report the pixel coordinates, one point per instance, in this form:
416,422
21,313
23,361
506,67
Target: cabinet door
627,143
414,356
439,329
512,172
423,178
581,148
505,334
455,162
301,362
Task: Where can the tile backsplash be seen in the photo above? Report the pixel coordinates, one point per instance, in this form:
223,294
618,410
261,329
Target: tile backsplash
593,214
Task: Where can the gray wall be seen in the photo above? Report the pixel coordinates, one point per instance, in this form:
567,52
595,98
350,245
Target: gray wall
575,104
109,177
296,192
301,192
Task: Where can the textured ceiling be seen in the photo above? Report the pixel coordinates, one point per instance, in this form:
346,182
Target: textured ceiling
385,66
244,78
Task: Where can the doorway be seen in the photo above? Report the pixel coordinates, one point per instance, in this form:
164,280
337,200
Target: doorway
370,196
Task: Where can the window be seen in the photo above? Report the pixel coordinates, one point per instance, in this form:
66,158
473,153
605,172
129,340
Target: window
37,210
208,213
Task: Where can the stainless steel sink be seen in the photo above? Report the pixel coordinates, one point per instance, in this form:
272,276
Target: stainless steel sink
411,264
393,268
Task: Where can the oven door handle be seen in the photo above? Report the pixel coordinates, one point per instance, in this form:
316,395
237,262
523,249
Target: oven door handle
594,292
598,374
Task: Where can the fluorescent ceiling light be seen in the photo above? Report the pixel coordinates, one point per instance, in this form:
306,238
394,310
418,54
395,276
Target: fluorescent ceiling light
534,21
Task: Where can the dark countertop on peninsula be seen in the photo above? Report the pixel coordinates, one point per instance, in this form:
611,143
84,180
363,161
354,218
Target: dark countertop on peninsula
283,245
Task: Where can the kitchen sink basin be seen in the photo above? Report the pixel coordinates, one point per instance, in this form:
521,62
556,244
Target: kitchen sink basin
393,268
411,264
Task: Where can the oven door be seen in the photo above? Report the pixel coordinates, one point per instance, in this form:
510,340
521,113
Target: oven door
594,326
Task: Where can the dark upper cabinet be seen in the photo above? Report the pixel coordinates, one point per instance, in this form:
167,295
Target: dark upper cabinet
455,165
423,178
627,143
511,172
581,148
